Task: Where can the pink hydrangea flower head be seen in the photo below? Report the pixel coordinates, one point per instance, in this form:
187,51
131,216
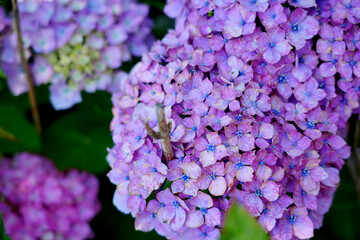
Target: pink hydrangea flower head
41,202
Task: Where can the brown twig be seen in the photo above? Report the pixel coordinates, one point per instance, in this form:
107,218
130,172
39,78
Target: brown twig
25,66
164,132
7,136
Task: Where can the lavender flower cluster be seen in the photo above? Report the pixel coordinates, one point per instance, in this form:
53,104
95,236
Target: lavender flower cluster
74,45
38,202
258,94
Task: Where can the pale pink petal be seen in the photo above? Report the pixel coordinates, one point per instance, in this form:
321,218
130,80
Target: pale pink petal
253,204
220,152
177,186
218,186
270,191
246,143
266,130
303,227
207,158
213,217
179,219
194,220
263,172
245,174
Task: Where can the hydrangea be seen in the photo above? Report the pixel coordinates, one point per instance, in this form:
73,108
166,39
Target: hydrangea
261,93
74,45
38,202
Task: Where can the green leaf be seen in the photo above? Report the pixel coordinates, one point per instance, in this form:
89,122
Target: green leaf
79,138
239,225
22,101
15,122
20,132
3,235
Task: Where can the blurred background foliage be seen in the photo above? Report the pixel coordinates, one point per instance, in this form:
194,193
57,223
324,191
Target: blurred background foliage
78,138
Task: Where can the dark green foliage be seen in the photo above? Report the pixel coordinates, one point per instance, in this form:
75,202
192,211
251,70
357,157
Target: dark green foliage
3,235
240,225
79,138
342,222
14,121
73,138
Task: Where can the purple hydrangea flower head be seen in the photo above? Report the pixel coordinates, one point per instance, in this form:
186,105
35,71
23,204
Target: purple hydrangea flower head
256,115
41,202
83,41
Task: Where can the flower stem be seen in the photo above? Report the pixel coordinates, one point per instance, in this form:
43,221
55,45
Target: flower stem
25,66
